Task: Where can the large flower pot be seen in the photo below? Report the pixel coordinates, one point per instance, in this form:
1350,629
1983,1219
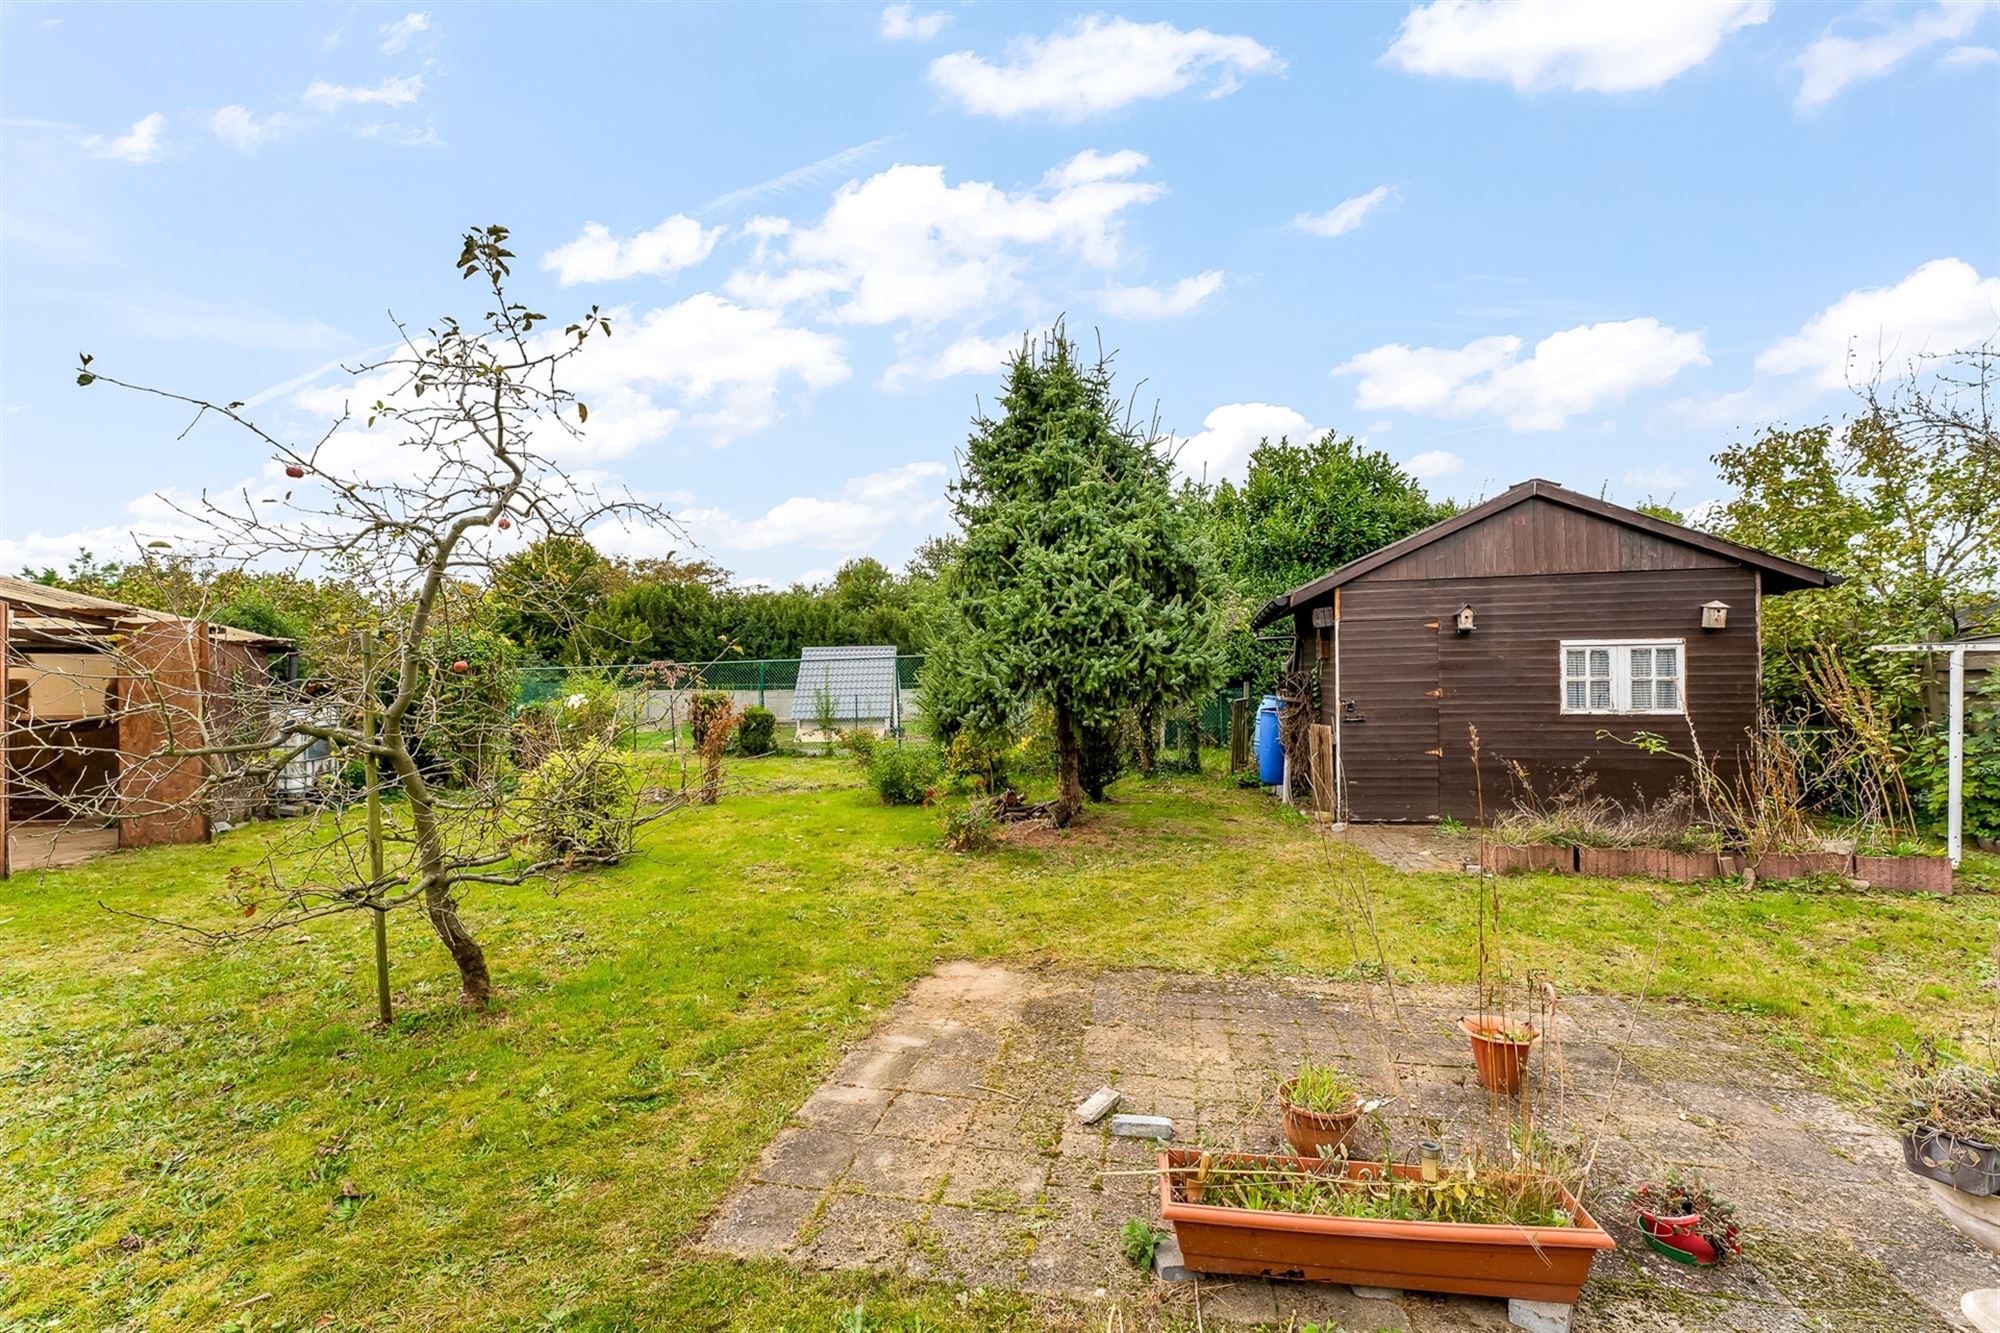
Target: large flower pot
1964,1164
1316,1133
1509,1262
1915,874
1974,1216
1502,1063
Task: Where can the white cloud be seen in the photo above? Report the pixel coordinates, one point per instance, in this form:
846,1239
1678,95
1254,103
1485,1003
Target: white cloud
396,92
1836,62
970,355
1228,435
1098,64
1161,302
1944,306
243,130
1576,370
146,142
1581,45
904,245
1432,464
397,36
866,508
1969,57
900,23
403,136
598,256
726,362
1344,216
1659,478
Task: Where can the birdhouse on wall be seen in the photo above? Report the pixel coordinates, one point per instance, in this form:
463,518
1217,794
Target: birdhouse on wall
1465,624
1715,615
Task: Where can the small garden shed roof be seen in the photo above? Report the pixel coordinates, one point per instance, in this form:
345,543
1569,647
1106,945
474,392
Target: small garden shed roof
860,681
1779,574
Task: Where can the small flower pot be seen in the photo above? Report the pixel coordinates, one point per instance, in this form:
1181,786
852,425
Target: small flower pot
1912,874
1316,1133
1502,1063
1679,1239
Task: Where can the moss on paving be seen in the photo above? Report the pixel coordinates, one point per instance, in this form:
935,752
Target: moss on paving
191,1138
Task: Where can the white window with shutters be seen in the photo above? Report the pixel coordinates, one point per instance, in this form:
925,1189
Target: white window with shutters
1624,676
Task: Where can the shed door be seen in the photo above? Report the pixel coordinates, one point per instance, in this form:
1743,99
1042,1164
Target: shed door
1389,673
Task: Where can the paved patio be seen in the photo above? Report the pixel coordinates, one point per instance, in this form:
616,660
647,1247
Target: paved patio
944,1147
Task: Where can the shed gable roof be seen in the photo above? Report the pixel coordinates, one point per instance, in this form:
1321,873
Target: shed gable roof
859,681
1780,575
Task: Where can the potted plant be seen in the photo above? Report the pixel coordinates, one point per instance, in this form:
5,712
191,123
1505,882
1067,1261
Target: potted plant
1950,1122
1682,1218
1514,1234
1901,863
1319,1108
1500,1049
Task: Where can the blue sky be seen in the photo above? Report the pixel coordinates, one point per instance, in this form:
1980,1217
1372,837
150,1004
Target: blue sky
1591,244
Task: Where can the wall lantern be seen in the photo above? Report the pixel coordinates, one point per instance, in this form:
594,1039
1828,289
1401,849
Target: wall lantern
1714,615
1465,625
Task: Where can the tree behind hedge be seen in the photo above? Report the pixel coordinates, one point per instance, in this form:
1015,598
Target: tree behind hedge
1083,582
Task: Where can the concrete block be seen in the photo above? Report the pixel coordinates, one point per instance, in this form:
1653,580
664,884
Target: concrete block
1539,1316
1098,1105
1141,1127
1377,1293
1168,1265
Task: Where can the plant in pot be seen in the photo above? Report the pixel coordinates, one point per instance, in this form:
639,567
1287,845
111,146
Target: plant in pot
1485,1228
1500,1050
1950,1122
1319,1108
1685,1220
1500,1045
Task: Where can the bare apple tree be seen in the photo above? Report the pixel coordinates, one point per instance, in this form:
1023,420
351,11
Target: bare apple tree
407,697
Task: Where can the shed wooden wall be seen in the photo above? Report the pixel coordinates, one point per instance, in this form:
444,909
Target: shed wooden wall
1416,685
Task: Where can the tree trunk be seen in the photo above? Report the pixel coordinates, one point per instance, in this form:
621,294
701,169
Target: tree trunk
475,983
1069,769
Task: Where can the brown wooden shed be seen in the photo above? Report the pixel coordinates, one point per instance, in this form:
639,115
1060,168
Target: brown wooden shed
1542,617
88,689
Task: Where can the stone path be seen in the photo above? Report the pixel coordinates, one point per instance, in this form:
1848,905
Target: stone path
943,1147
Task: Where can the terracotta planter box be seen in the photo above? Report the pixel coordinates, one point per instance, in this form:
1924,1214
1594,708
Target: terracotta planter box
1506,858
1508,1262
1801,865
1919,874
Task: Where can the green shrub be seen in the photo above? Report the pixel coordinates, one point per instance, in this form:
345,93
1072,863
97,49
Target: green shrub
969,826
465,732
584,709
757,732
904,774
703,710
860,745
1928,769
977,758
579,802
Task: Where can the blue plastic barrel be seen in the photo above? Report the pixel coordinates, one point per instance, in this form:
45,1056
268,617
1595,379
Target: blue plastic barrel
1270,752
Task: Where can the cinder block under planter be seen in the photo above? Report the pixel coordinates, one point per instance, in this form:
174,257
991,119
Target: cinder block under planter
1916,874
1801,865
1506,858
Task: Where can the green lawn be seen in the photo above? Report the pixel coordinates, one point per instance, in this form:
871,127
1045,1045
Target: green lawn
216,1139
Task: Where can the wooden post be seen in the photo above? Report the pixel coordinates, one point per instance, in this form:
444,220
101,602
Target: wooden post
1239,734
368,774
1321,772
